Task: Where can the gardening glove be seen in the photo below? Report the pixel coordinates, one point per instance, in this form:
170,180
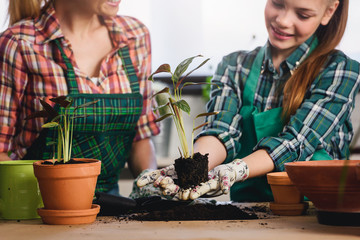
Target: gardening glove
221,178
162,178
148,189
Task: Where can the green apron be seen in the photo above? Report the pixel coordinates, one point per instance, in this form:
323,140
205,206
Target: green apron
107,132
255,126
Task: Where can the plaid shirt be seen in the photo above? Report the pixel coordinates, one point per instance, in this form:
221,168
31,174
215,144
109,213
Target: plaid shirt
31,67
322,121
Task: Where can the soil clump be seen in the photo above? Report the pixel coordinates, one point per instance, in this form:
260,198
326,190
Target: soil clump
192,171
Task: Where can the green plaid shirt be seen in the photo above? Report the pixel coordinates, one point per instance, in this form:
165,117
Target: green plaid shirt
322,121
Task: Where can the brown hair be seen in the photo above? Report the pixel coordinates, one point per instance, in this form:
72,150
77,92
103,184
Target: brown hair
20,9
329,37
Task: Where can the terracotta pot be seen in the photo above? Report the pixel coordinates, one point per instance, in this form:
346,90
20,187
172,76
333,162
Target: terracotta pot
320,181
332,185
284,191
67,186
287,198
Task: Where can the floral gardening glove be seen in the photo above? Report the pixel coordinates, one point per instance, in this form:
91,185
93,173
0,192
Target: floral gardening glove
162,179
221,178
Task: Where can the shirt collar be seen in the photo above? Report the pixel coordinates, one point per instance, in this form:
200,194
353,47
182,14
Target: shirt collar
297,57
48,28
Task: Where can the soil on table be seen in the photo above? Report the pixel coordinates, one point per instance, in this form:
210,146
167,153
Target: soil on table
197,212
192,171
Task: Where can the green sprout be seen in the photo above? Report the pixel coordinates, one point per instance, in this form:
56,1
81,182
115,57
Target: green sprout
63,121
175,105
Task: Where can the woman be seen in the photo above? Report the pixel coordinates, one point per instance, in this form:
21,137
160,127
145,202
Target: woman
290,100
79,48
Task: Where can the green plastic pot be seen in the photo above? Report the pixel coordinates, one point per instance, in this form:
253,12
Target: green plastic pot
19,192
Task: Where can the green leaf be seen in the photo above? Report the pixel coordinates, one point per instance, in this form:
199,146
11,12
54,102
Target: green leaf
183,105
50,125
182,79
182,67
162,68
163,117
206,114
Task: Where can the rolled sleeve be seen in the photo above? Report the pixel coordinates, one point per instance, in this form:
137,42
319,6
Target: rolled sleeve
13,78
225,99
146,125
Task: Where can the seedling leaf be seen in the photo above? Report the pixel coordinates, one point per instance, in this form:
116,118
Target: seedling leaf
183,105
182,67
50,125
162,68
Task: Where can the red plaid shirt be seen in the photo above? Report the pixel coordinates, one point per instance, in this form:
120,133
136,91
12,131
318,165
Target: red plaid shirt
31,67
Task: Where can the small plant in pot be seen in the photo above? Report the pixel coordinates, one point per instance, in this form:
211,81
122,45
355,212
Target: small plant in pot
191,168
67,185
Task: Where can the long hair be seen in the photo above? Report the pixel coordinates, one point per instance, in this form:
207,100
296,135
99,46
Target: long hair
329,37
20,9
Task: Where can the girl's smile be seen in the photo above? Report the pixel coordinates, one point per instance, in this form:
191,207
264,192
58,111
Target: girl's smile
114,3
280,34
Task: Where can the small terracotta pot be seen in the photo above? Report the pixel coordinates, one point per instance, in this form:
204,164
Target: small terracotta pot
284,191
68,186
287,198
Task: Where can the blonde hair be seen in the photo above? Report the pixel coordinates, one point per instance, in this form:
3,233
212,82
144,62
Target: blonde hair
329,37
20,9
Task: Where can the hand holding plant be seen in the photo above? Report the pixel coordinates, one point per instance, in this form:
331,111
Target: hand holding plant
191,168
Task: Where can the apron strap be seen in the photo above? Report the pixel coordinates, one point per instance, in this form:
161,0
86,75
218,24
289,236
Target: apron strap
127,64
252,79
70,72
129,69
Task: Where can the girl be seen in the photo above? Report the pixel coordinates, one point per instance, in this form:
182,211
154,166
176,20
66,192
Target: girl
290,100
83,49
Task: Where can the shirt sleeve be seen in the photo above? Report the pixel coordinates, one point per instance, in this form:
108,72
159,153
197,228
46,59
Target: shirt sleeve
146,126
13,78
326,108
226,99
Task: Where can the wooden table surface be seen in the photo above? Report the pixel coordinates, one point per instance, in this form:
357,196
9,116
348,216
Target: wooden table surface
303,227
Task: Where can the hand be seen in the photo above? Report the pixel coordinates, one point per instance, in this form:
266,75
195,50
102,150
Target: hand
221,178
163,178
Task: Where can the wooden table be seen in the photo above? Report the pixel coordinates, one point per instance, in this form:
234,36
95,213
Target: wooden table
104,228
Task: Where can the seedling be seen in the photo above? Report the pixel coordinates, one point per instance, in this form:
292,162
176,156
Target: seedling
176,104
63,121
191,168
